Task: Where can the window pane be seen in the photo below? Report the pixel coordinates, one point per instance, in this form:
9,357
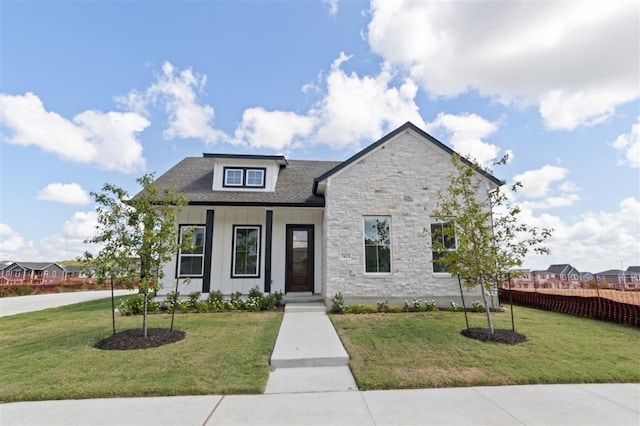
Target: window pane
246,250
191,265
442,238
255,177
377,244
233,177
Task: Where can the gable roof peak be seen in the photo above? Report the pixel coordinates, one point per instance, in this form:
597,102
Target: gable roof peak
405,127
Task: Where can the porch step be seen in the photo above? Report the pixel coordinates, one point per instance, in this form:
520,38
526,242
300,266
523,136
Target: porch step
307,339
297,307
302,298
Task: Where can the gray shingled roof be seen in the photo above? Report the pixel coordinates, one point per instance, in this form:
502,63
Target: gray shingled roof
193,177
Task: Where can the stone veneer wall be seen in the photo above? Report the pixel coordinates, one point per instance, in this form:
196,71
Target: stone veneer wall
399,179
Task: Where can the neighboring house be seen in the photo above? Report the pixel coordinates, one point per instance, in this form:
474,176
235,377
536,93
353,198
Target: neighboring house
633,274
318,227
78,273
520,278
33,273
616,278
564,276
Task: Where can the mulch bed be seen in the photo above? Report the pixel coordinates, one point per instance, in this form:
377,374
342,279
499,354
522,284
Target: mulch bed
499,336
134,339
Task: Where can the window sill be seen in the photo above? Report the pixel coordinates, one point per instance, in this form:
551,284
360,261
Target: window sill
442,275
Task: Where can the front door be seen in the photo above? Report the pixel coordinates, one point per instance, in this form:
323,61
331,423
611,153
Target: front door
299,276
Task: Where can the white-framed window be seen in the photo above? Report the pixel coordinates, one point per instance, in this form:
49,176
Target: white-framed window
255,178
246,251
7,273
574,276
54,273
46,273
233,177
16,274
244,177
377,244
442,236
191,260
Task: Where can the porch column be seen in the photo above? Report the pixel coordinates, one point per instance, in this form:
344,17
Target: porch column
208,244
267,251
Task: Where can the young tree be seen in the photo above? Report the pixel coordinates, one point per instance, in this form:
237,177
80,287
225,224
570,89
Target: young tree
489,238
136,235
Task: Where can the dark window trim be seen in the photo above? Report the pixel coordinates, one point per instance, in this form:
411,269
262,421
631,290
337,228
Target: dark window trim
233,251
208,245
244,177
187,225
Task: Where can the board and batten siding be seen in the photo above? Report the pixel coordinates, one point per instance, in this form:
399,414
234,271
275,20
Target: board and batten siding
222,245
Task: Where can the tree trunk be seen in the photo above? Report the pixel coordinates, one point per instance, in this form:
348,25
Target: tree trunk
486,307
144,313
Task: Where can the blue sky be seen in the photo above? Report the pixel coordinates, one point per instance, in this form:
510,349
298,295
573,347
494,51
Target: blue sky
104,91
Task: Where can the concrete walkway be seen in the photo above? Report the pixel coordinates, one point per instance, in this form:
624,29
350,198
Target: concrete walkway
311,384
308,355
21,304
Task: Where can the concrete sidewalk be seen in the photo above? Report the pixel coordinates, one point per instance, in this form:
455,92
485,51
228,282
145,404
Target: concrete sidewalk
589,404
21,304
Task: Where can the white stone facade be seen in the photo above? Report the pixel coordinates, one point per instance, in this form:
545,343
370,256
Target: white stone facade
399,179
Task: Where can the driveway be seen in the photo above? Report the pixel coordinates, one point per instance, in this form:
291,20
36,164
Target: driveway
21,304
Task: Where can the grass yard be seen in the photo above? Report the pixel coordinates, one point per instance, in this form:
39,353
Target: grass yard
424,350
50,355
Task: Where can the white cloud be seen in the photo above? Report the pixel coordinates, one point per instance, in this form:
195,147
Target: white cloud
466,132
537,183
576,61
13,246
358,108
352,109
333,6
275,130
69,242
65,193
594,242
107,140
178,91
629,146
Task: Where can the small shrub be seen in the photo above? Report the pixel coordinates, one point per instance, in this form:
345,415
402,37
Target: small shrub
337,304
171,299
192,302
477,307
430,306
454,307
255,293
133,305
405,307
383,306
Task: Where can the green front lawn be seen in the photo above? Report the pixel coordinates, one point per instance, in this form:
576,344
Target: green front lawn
50,355
423,350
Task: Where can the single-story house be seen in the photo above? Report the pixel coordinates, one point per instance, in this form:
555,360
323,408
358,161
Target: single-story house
360,227
33,272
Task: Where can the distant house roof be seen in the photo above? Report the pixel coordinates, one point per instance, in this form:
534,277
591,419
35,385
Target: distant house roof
193,177
634,269
611,272
563,268
35,266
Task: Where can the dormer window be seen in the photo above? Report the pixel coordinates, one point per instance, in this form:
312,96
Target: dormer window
244,177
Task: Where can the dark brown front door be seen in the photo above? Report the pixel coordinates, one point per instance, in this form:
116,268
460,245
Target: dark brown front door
299,276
